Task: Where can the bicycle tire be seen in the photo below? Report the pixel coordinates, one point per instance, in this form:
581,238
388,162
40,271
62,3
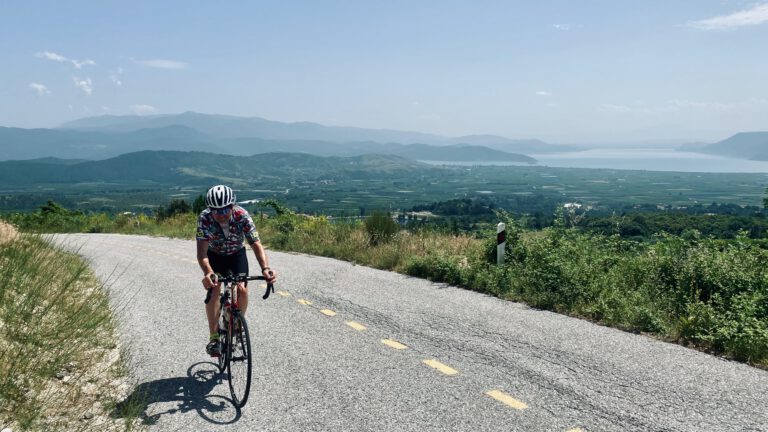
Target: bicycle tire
239,360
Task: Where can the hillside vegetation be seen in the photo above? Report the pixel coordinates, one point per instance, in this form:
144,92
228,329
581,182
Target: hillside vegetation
708,293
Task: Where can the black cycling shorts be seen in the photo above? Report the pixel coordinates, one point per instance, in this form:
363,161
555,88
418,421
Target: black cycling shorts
236,263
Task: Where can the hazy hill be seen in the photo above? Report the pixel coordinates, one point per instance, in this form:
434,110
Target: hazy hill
746,145
526,146
222,126
232,127
458,153
58,161
88,144
184,168
16,143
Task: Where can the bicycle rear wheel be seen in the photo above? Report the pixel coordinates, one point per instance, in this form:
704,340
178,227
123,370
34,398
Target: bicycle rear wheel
239,360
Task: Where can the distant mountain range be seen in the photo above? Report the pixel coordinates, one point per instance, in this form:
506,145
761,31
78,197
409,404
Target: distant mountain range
20,144
744,145
228,127
109,136
193,168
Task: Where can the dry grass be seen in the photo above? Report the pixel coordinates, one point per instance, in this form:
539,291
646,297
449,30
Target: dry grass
7,233
58,352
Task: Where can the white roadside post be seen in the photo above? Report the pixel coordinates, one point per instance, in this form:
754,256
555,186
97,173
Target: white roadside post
501,242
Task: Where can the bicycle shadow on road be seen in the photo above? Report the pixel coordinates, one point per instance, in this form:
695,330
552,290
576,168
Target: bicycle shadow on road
151,400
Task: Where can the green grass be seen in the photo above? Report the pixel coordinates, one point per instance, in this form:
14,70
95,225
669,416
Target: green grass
56,325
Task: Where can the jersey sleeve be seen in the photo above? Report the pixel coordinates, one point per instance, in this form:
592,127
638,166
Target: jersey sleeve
249,229
204,229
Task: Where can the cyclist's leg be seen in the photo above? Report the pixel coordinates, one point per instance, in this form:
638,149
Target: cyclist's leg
240,264
218,264
212,309
242,297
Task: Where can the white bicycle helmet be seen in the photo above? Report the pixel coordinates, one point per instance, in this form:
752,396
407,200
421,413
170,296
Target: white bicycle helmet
219,197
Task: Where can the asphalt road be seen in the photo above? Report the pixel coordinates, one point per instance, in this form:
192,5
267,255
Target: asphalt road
316,372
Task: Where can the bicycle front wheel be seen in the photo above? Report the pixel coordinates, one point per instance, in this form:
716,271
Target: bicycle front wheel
223,343
239,360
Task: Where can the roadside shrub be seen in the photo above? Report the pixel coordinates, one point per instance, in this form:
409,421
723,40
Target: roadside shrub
380,228
435,267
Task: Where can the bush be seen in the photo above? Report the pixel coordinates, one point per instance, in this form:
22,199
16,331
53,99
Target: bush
436,267
380,228
175,207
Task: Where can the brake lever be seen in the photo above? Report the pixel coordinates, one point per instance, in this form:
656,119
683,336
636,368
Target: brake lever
270,289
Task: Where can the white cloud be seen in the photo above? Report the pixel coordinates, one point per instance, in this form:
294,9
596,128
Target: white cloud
41,89
162,64
614,108
84,84
757,15
562,27
80,64
114,76
679,105
52,56
143,109
61,59
544,93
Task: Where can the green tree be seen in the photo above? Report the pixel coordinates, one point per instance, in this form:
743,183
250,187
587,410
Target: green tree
765,200
177,206
198,205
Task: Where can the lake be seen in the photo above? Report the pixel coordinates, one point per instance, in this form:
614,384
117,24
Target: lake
649,159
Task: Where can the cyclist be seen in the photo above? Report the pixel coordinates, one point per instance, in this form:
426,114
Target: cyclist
221,229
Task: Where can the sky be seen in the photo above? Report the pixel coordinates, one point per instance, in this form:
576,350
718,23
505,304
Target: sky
611,71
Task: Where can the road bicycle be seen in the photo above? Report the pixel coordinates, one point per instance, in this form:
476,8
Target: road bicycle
235,341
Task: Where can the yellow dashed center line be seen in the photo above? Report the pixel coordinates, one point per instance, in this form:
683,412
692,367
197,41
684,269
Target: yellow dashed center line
284,293
262,285
328,312
393,344
512,402
356,326
305,302
441,367
576,430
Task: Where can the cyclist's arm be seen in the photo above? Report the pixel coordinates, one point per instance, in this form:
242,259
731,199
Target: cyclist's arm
202,257
261,255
